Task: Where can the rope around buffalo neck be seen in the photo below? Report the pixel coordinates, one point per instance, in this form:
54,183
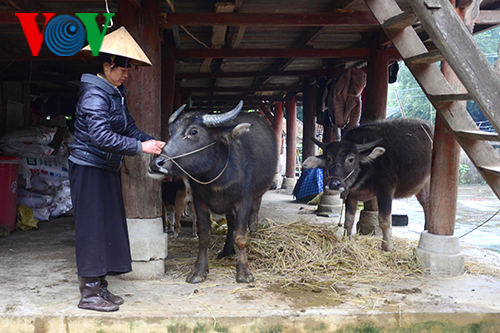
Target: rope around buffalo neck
194,152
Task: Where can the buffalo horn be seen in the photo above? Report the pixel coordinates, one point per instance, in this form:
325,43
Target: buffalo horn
176,114
366,146
214,120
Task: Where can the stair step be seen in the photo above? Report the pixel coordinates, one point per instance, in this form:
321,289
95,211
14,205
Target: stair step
401,21
425,58
492,169
478,135
450,97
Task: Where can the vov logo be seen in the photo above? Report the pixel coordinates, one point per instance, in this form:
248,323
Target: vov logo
64,34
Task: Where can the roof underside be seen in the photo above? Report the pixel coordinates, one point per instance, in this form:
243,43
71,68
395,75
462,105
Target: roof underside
225,51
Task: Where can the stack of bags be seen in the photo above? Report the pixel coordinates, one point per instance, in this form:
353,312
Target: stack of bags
43,175
46,195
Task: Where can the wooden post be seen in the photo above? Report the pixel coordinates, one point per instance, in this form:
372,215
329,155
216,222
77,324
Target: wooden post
141,193
309,129
167,87
291,138
445,167
377,83
375,107
278,125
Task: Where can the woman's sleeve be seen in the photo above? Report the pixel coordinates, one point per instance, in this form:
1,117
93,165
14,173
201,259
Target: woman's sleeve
95,109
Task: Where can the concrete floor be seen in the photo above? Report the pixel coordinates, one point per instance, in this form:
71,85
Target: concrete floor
39,292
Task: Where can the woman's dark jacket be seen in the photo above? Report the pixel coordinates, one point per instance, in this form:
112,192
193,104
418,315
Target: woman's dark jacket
104,129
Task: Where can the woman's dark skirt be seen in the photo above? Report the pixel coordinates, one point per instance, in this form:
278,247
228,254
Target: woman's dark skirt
102,243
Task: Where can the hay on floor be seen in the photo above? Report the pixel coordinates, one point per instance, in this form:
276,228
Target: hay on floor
298,252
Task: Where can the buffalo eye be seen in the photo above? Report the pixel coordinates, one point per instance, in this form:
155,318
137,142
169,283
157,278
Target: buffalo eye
328,159
350,159
192,132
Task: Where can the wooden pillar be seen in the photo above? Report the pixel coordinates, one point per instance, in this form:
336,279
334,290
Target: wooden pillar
377,83
291,138
309,129
167,87
141,193
329,134
278,125
445,167
377,86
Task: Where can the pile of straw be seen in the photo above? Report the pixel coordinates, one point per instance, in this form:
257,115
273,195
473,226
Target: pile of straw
299,252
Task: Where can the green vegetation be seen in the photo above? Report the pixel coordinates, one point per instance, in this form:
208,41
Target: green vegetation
407,95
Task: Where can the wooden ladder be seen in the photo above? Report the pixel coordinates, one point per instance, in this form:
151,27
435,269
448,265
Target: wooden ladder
456,45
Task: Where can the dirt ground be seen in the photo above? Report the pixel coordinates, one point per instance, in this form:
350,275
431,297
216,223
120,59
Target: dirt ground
39,291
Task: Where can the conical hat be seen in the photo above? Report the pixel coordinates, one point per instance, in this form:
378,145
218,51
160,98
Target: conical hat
120,42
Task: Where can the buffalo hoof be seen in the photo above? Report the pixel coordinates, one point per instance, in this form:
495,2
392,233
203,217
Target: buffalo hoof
192,278
244,278
387,246
226,253
197,276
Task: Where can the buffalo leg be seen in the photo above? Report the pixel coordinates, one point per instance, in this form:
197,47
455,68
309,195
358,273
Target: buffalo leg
179,209
423,198
385,221
228,249
243,273
350,211
193,211
254,215
200,269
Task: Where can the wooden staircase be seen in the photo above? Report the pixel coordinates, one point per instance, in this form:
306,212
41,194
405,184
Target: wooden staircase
456,45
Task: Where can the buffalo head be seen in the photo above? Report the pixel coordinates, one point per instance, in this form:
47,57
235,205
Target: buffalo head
195,140
341,161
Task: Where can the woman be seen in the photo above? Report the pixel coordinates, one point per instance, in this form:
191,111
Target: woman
104,132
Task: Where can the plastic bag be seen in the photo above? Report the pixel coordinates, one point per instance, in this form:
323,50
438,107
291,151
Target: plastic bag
41,214
25,219
218,227
33,199
36,134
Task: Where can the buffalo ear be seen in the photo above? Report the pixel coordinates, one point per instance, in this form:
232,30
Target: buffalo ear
235,133
313,162
319,143
375,153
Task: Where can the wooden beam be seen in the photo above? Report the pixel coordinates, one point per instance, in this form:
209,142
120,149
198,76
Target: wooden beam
488,17
135,3
187,76
242,89
273,53
9,16
401,21
349,18
276,98
354,53
14,5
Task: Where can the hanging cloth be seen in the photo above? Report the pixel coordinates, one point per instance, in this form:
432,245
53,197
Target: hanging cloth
347,97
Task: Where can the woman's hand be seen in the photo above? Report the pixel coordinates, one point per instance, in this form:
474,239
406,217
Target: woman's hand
152,147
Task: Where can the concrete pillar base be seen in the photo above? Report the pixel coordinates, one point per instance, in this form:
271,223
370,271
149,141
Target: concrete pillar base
440,254
368,223
278,180
330,203
149,248
289,183
146,270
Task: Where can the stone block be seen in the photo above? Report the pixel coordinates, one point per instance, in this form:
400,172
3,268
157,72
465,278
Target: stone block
440,254
289,183
146,270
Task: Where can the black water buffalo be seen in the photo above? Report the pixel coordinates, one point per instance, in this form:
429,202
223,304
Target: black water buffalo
384,160
231,161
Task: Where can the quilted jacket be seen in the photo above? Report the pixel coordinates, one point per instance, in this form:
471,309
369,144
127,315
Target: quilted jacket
104,129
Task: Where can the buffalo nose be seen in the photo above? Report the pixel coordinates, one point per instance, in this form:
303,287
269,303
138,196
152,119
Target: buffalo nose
335,184
160,162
